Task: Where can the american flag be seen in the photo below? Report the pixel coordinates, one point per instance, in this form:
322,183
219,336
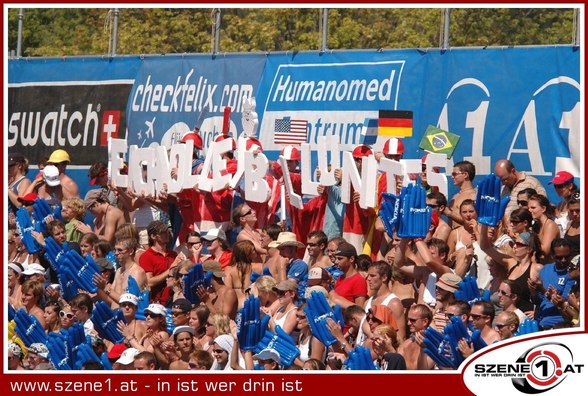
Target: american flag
289,131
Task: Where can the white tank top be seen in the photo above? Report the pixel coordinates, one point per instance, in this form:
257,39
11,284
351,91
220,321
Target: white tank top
280,322
386,301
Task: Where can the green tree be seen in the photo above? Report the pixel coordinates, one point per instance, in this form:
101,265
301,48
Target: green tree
87,31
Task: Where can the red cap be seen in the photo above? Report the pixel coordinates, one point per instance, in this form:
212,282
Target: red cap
361,151
290,153
93,180
116,351
195,137
562,177
252,144
393,146
220,138
30,197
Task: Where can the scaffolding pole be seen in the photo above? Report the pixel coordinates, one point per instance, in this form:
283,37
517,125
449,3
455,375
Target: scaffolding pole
216,20
576,34
324,29
444,42
114,32
19,38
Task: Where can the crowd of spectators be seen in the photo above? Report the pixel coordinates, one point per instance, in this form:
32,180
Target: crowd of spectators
389,289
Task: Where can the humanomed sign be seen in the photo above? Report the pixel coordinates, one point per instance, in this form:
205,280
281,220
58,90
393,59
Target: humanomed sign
333,98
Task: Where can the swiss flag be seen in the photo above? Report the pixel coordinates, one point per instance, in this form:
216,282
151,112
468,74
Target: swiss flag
110,126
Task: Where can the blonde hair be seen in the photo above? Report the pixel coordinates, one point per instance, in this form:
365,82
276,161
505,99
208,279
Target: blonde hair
76,205
387,331
127,231
221,322
265,283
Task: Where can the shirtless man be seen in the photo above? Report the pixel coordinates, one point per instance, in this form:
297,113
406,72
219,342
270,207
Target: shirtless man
48,186
438,202
108,217
221,299
481,317
274,261
379,275
316,244
419,318
60,158
124,249
463,176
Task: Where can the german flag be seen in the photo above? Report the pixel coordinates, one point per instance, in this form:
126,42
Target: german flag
395,123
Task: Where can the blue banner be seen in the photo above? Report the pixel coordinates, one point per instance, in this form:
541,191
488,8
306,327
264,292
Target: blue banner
517,103
171,97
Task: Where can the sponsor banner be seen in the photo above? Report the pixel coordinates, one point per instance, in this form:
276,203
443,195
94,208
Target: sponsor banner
78,117
172,95
517,103
545,365
532,117
72,104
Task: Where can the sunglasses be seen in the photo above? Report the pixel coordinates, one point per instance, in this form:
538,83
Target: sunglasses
476,317
456,173
449,315
247,213
413,320
66,314
151,315
373,319
193,365
522,202
311,244
194,243
119,250
127,305
208,324
218,350
499,326
434,206
178,313
561,258
503,293
520,244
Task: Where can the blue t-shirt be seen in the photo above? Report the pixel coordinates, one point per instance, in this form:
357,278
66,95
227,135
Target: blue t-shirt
549,314
297,270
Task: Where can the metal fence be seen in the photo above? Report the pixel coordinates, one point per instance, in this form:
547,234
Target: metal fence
216,21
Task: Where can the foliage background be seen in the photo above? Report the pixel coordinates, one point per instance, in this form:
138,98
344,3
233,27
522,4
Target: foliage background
86,31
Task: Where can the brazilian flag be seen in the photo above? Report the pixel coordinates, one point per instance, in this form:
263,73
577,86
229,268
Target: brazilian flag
438,141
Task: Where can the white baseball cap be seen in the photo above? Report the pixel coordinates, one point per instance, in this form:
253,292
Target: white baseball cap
51,175
215,233
33,269
128,356
128,297
268,354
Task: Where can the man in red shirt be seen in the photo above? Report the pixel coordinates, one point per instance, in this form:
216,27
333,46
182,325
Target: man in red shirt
158,262
351,287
